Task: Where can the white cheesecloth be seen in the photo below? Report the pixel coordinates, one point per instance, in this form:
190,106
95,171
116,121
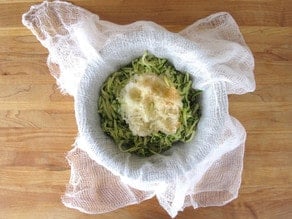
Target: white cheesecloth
84,50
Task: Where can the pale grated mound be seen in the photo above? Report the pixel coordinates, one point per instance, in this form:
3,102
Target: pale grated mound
149,104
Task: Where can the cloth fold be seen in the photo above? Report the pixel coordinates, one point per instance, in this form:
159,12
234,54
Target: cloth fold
76,38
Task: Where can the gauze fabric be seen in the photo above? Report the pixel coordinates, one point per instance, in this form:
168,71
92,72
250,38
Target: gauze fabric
84,50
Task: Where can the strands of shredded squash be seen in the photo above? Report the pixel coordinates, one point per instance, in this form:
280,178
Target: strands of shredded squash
114,124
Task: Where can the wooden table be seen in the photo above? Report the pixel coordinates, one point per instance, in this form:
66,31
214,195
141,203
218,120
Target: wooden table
37,123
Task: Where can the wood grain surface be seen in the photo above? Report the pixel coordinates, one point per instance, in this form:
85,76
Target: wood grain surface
37,123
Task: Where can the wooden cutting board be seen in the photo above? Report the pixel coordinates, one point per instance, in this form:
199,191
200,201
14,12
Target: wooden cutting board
37,123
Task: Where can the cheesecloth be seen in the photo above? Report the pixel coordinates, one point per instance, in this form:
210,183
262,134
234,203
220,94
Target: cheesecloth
84,50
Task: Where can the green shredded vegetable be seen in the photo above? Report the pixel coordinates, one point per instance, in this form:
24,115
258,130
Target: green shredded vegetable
113,124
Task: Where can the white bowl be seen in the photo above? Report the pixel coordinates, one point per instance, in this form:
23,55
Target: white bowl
186,56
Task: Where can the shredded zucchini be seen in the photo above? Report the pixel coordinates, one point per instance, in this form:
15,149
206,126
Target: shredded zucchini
113,123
